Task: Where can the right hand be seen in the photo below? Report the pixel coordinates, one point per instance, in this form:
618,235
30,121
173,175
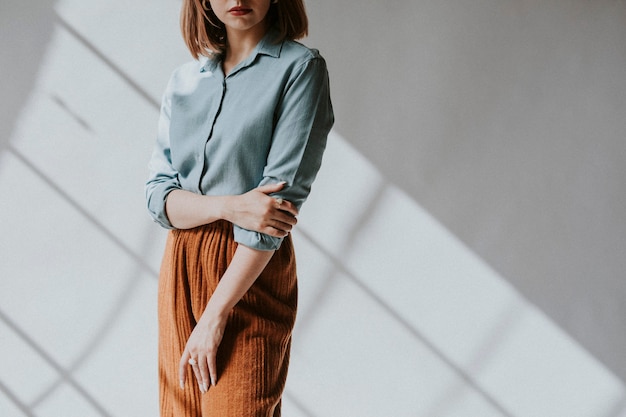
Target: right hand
256,210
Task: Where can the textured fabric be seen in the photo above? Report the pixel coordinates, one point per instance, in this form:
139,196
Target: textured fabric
267,121
253,357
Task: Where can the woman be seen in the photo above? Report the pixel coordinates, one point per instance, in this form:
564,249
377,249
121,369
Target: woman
241,136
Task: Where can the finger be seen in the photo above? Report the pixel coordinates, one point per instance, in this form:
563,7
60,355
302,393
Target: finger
285,218
196,371
270,231
182,369
271,188
276,229
212,362
204,374
281,228
289,207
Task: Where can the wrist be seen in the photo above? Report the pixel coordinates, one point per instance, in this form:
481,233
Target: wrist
216,311
224,208
216,208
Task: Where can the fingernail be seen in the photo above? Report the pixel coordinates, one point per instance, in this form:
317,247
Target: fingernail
201,386
206,387
212,381
182,384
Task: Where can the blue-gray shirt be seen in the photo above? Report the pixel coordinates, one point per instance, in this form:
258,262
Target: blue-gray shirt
266,122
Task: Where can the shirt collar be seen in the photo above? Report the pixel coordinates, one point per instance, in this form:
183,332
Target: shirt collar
266,46
269,44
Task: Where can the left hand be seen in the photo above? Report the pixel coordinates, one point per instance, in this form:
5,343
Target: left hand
257,210
202,347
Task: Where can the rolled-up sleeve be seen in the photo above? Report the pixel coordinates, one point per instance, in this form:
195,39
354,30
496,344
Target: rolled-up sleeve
304,118
163,178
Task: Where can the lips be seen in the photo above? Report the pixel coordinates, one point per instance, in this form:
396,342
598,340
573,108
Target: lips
239,10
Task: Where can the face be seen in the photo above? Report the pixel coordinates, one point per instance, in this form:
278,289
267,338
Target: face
241,15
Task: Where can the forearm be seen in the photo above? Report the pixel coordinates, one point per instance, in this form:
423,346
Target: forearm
186,210
254,210
245,267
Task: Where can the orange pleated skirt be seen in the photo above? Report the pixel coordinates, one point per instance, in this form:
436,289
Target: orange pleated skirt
253,356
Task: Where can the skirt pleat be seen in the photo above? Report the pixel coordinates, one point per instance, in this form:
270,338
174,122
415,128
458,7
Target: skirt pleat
253,356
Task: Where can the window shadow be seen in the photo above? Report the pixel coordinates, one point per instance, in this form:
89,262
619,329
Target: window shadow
25,30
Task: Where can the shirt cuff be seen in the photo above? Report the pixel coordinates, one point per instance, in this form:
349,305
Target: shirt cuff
156,205
256,240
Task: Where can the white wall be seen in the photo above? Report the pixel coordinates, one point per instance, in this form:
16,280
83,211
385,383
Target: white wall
476,173
506,121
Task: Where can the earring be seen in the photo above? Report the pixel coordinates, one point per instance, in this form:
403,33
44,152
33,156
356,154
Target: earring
206,5
274,1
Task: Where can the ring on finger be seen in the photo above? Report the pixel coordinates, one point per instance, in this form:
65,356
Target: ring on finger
279,201
192,362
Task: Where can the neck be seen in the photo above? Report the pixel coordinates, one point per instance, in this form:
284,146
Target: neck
242,43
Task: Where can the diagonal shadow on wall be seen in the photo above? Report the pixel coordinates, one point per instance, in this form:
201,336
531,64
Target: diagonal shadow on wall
24,34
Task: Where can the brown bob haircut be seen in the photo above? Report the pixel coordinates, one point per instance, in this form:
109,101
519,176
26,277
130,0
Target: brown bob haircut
204,34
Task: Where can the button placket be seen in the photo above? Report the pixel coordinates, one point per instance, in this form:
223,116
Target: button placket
202,157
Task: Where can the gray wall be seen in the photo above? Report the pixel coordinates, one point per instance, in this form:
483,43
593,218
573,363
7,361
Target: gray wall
506,121
24,35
